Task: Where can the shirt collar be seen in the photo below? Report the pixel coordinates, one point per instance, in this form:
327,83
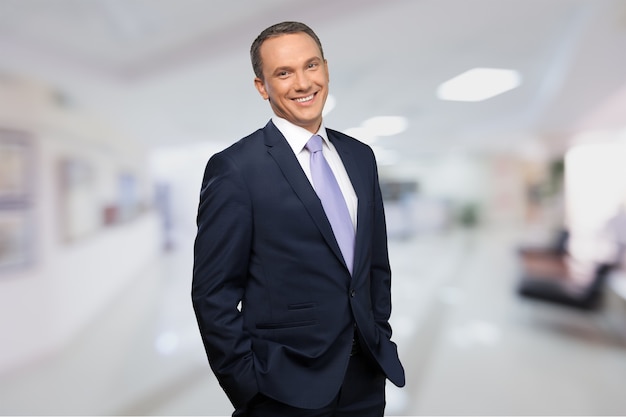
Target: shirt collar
297,136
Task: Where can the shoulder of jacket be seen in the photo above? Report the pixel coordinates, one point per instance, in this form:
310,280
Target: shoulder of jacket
252,140
355,143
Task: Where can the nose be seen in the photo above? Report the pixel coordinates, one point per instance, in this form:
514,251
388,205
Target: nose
302,81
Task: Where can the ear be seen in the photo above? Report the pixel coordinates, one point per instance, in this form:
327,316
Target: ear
260,86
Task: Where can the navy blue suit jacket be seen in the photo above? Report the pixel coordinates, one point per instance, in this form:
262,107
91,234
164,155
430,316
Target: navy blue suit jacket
264,239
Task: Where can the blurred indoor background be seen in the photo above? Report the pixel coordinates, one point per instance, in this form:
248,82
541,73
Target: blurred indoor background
500,131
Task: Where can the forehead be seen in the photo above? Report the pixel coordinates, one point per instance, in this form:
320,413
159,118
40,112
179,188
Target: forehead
290,47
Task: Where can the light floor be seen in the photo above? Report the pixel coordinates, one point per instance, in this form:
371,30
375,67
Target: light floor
470,346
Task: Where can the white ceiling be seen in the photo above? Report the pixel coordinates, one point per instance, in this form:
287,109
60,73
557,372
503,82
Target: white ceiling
178,71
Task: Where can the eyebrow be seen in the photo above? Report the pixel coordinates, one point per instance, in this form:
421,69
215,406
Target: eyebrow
289,68
315,58
283,68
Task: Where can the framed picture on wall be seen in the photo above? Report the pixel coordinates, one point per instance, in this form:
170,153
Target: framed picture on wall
15,238
15,199
79,209
15,175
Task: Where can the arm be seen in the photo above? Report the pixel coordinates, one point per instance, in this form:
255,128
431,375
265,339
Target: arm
380,268
221,255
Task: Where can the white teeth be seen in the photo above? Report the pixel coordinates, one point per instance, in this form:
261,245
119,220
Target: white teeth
302,100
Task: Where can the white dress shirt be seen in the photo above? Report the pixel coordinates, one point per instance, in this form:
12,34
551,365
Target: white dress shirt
297,137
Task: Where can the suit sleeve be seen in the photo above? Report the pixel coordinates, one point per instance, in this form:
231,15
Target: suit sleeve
221,254
380,269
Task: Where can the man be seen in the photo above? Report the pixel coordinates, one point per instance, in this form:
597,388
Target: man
293,304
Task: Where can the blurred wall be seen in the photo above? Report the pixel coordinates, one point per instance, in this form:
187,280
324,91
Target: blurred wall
75,219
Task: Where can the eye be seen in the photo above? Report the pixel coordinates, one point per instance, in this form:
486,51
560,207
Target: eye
313,65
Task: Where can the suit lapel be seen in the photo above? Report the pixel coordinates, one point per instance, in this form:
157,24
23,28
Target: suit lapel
352,168
279,150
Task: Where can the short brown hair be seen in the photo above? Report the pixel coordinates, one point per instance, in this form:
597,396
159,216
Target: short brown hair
278,29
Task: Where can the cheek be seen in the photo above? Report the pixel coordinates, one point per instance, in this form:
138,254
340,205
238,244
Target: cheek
273,90
322,80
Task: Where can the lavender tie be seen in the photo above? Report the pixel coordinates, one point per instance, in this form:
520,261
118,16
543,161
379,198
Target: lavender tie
334,204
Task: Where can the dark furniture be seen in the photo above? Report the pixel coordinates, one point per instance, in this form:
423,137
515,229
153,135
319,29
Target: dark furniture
552,280
550,274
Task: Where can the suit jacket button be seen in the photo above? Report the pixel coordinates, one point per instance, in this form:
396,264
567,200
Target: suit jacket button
352,293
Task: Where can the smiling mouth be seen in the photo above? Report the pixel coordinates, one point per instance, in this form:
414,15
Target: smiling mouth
304,99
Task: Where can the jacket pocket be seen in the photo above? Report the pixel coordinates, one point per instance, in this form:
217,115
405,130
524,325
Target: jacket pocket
285,325
301,306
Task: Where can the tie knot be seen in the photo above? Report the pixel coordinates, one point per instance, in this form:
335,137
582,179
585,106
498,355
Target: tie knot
314,144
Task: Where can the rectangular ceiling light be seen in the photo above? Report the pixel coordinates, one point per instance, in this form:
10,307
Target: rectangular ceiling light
479,84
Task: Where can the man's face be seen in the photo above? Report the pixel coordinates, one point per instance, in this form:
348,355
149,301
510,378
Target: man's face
295,79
